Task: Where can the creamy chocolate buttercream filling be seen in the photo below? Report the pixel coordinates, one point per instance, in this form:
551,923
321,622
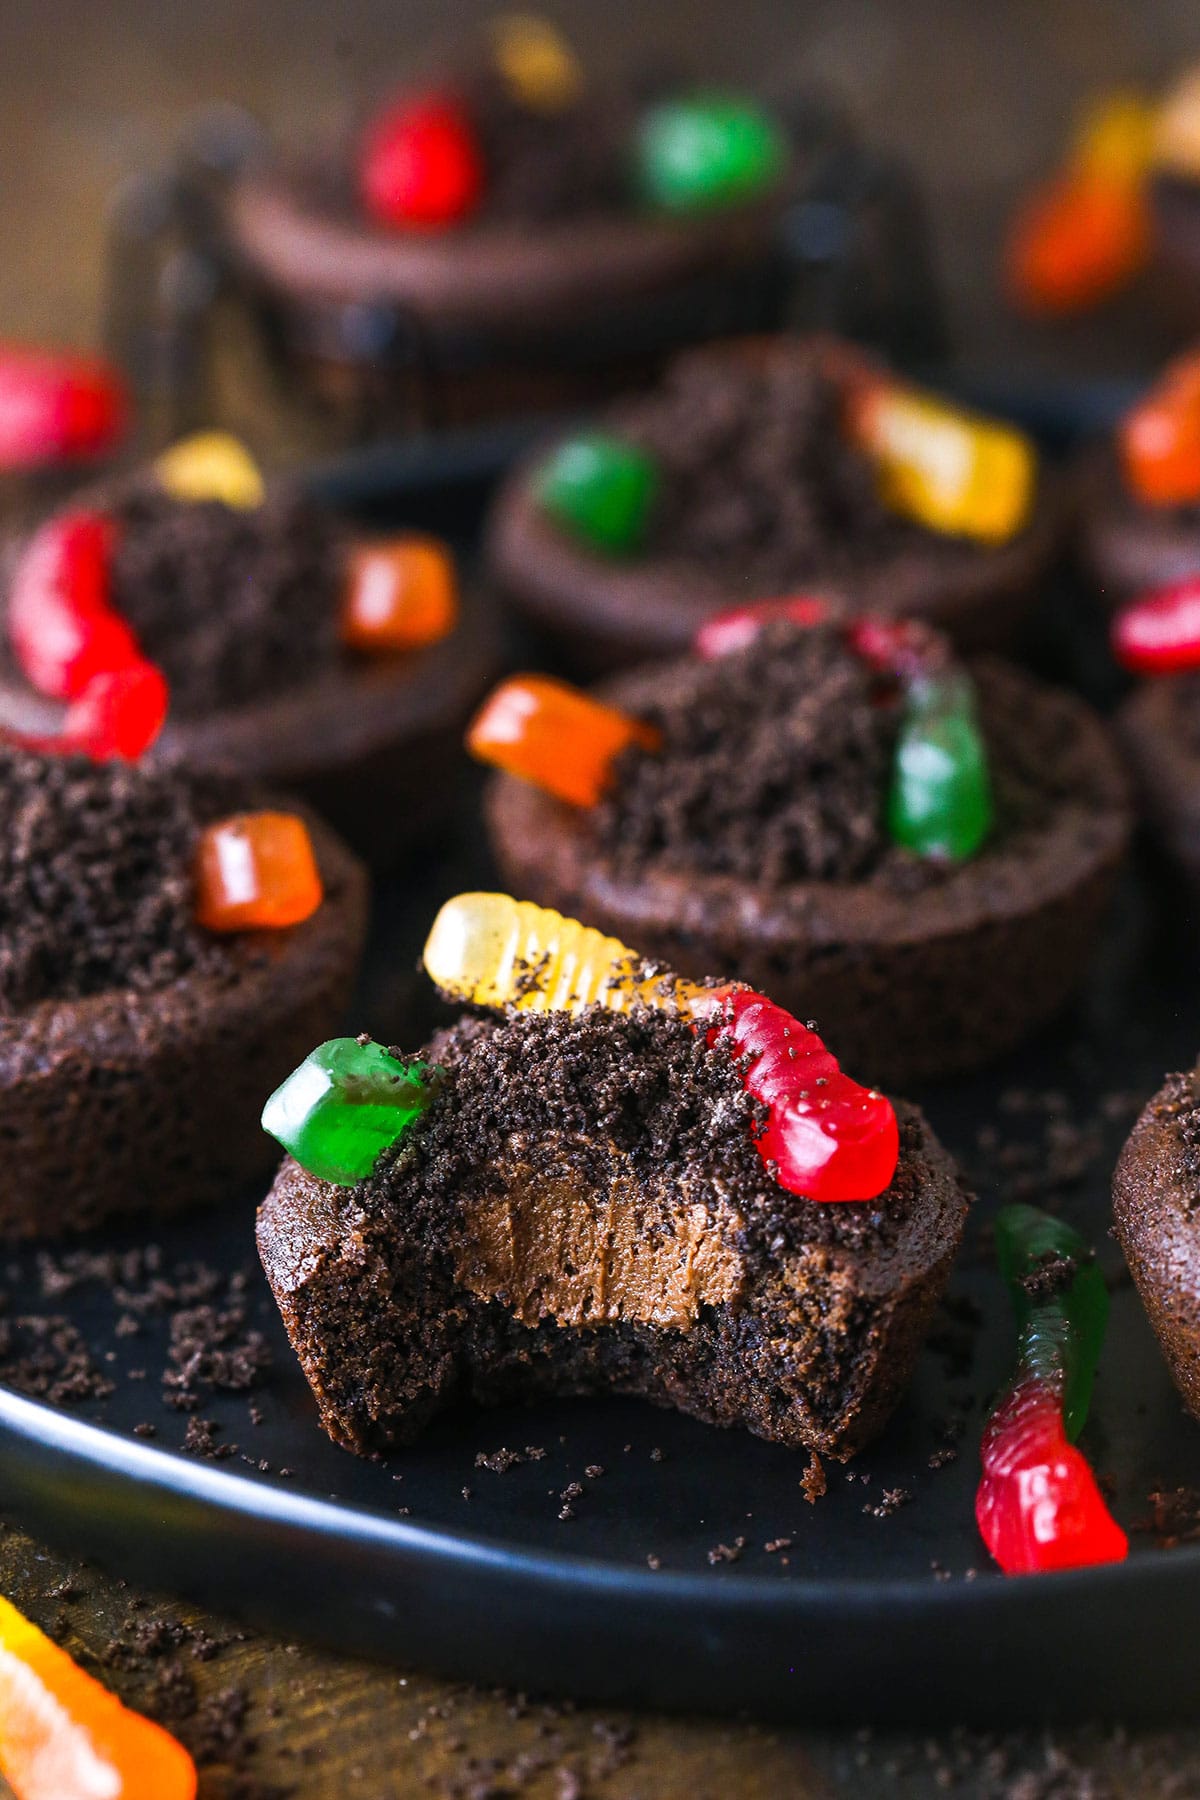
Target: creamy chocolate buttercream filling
550,1245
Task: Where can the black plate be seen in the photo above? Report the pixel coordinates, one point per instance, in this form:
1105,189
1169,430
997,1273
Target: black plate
893,1617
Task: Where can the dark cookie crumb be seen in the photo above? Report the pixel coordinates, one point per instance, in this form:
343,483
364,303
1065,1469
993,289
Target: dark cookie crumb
232,604
775,767
813,1482
1090,1763
774,764
1174,1517
760,482
46,1357
573,1491
1052,1274
212,1349
1045,1148
200,1439
890,1502
196,1317
498,1461
156,1652
96,883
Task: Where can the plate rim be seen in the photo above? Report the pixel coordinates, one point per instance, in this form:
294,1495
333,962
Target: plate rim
105,1450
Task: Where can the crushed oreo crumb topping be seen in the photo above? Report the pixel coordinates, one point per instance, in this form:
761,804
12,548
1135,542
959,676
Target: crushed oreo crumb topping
775,766
759,480
641,1085
232,604
1174,1516
96,887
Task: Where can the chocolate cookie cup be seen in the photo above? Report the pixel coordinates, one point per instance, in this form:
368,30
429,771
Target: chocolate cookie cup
1124,547
244,608
582,1208
757,841
1139,493
136,1045
319,270
1155,1192
760,492
1159,728
508,242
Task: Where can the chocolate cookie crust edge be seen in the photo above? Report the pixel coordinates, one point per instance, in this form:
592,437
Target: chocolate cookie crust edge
504,277
149,1103
1156,1215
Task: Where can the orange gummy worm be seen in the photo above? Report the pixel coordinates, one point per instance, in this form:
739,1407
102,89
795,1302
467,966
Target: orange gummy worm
256,871
554,736
1159,439
400,593
64,1737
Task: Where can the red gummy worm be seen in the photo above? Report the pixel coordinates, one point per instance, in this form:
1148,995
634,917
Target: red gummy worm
828,1137
1038,1506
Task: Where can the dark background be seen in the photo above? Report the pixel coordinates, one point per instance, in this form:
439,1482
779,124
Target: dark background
979,96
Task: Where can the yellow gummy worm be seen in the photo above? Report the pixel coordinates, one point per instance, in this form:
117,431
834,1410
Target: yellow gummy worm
492,950
1115,137
211,465
1175,143
951,471
536,61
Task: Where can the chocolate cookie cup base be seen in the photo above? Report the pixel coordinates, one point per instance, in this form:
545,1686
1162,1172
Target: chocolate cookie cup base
510,277
1166,769
149,1102
1124,548
387,1335
603,612
904,987
373,745
317,357
1156,1190
493,318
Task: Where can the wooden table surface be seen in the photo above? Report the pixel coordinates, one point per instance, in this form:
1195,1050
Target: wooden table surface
978,97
